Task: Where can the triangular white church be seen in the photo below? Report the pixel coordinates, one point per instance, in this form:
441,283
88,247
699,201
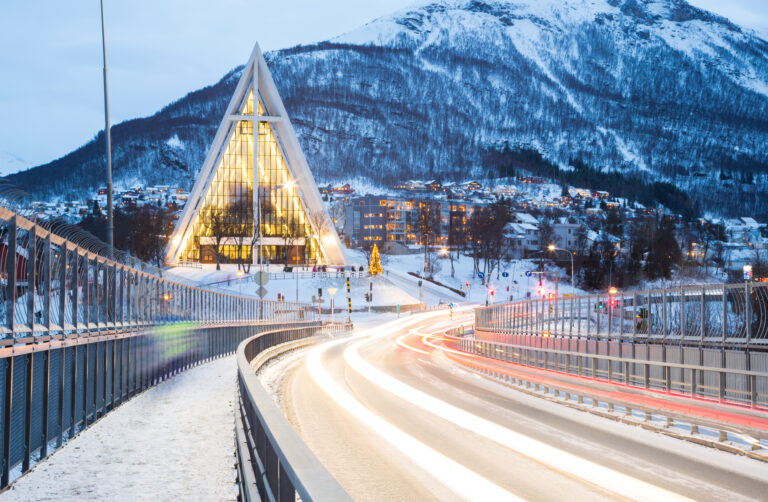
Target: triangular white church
284,220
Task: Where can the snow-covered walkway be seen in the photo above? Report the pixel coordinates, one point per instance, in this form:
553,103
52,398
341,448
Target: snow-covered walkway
173,442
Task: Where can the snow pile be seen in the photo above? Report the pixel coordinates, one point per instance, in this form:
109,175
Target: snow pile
173,442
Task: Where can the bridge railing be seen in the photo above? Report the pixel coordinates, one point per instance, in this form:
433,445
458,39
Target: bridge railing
710,314
273,462
81,332
718,374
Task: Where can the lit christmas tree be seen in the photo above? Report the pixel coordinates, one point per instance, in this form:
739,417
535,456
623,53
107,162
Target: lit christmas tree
375,266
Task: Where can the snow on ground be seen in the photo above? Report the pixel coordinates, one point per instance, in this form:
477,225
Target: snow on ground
384,292
173,442
519,285
393,287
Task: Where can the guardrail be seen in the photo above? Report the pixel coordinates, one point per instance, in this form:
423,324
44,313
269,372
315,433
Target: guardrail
273,462
81,333
706,315
716,374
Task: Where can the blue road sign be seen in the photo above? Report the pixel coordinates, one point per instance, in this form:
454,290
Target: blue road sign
480,275
527,273
505,274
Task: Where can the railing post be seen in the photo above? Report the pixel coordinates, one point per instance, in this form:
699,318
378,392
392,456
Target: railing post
46,397
682,314
47,283
29,387
31,277
7,407
10,285
703,318
63,267
74,284
748,311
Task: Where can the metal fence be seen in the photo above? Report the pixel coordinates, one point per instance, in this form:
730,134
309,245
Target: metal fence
702,315
273,463
82,332
717,374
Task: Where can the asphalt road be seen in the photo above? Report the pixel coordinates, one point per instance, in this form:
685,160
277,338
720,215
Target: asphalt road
400,422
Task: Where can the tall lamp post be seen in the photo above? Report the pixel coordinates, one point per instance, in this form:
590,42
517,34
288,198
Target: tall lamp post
552,249
110,224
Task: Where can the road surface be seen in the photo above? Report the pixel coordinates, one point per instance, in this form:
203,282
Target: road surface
393,419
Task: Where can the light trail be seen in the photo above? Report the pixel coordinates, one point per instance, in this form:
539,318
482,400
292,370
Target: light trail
453,475
545,454
401,343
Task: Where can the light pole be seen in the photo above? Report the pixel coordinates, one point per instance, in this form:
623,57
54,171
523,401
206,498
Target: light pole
108,139
552,249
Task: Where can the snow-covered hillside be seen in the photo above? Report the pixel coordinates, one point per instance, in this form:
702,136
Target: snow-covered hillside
657,88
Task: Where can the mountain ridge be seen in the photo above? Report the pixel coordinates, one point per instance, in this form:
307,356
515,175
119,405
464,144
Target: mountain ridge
659,88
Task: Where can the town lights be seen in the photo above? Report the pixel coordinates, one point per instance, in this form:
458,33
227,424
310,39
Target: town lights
444,252
613,291
551,247
166,296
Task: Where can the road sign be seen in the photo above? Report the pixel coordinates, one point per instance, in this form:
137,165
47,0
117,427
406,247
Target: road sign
747,272
261,278
480,275
262,292
505,274
332,291
528,273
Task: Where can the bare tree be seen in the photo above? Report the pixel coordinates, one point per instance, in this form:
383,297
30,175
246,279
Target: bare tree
217,222
428,226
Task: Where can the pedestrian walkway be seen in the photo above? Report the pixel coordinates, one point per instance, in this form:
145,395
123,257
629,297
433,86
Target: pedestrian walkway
173,442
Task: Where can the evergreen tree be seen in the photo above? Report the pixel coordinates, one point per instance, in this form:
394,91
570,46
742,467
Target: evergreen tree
375,264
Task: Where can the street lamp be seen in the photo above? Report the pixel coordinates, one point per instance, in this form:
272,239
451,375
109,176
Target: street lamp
552,249
332,291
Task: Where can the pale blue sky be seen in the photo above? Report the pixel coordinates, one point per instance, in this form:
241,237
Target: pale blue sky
158,50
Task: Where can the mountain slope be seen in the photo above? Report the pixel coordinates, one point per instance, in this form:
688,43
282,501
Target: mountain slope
658,88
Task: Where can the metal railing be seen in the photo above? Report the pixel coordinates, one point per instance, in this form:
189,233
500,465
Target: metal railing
273,463
706,315
81,333
718,374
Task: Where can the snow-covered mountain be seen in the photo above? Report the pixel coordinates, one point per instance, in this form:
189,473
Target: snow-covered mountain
460,88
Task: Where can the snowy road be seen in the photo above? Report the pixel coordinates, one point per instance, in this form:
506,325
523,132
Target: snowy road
396,424
173,442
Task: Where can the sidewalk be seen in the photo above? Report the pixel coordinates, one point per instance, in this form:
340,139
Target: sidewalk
173,442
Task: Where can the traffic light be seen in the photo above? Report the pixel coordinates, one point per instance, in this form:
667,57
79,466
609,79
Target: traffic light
540,291
319,292
612,303
493,291
600,305
550,296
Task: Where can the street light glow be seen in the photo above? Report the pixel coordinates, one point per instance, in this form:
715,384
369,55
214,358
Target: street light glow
551,247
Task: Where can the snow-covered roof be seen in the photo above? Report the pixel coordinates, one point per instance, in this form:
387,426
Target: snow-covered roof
526,218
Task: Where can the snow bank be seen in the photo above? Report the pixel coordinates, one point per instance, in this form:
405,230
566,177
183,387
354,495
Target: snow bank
173,442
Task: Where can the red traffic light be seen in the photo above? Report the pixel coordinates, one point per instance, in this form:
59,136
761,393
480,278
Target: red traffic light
492,292
466,284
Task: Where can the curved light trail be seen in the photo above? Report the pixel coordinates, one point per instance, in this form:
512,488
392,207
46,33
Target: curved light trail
554,458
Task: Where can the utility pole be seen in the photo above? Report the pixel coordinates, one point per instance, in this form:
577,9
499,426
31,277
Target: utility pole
107,135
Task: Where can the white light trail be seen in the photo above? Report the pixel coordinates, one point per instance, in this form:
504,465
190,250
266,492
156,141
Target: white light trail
550,456
453,475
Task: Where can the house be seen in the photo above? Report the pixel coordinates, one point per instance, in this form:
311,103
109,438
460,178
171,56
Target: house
566,234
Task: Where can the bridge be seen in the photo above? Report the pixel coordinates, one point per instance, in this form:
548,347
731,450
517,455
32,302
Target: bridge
650,395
